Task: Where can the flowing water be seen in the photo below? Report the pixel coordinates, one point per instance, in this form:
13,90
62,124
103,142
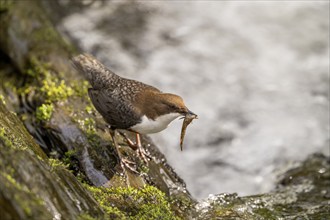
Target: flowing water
256,73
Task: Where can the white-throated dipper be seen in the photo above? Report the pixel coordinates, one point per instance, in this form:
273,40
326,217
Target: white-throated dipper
129,104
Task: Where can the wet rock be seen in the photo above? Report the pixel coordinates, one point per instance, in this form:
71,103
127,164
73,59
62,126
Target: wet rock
302,193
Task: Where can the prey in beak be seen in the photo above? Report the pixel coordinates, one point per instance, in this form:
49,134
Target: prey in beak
188,118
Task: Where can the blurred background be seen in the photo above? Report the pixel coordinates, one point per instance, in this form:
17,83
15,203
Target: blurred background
256,73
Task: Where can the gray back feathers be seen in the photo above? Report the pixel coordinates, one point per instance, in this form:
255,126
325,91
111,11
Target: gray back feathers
97,74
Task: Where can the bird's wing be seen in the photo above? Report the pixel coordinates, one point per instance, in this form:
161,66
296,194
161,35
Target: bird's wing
130,86
116,111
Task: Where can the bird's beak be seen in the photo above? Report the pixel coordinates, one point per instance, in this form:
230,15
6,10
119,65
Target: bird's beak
191,113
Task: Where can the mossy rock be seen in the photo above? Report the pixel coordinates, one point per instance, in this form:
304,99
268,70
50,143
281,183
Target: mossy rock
131,203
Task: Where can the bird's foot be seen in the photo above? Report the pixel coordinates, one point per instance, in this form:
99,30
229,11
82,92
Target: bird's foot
138,148
130,165
143,154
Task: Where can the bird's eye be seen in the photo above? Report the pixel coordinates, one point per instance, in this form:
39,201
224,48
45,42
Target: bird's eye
182,110
172,106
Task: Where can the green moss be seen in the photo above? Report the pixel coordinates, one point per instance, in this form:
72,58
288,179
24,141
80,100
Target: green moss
5,5
88,125
51,87
11,181
131,203
113,212
144,168
45,82
48,81
5,138
10,140
13,134
265,213
9,84
36,68
68,155
80,88
2,99
44,112
57,163
89,109
55,90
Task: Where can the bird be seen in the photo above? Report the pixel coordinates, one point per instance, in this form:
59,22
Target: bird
128,104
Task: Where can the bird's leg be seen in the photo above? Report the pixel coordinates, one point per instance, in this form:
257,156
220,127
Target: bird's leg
137,146
123,162
140,151
130,143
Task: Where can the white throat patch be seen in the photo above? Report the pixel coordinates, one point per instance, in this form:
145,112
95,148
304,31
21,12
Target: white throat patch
149,126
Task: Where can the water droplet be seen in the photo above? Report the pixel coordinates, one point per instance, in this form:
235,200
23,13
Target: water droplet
322,170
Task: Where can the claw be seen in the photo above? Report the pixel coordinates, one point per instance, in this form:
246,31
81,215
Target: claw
137,147
130,165
143,154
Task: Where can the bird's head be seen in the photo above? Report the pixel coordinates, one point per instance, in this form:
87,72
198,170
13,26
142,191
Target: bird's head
155,104
174,104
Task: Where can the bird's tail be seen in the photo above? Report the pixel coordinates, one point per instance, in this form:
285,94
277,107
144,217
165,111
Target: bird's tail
97,74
